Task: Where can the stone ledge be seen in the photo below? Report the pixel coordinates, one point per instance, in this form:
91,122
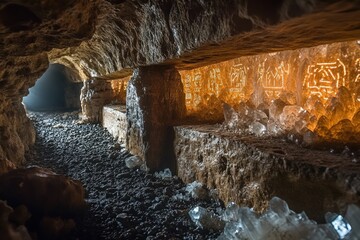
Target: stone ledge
250,170
114,120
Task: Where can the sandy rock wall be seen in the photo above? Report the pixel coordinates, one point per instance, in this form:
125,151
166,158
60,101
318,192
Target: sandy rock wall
16,130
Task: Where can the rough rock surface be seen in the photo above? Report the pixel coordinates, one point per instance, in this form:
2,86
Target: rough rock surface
123,203
114,120
44,202
192,33
16,131
251,170
155,102
10,230
43,192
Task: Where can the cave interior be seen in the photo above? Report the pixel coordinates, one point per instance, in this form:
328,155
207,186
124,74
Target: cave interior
256,99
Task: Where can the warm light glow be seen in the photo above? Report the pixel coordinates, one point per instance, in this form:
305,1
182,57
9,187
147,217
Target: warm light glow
118,87
317,92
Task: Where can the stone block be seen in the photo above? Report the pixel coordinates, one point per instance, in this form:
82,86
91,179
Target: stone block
251,170
114,120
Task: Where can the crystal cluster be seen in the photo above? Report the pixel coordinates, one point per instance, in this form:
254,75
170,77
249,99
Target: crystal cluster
332,120
278,222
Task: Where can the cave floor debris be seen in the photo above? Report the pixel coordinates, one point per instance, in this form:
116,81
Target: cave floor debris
123,203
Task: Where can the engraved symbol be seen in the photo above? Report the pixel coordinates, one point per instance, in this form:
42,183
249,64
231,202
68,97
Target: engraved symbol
238,75
357,66
214,83
274,81
323,79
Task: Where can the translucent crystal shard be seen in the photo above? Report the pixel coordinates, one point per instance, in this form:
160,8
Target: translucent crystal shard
206,219
335,111
356,118
341,226
279,207
166,174
322,127
231,212
258,129
229,114
276,108
344,97
290,115
353,217
342,131
196,190
133,161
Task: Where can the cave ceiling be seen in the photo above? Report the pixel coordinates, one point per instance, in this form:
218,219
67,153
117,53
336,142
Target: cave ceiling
106,39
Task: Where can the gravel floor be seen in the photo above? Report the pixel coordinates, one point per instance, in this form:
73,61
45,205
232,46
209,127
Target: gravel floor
123,203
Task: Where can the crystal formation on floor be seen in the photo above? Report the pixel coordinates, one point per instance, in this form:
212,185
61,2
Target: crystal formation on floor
278,222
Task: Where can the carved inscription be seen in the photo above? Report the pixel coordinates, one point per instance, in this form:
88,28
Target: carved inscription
238,75
357,66
323,79
214,82
274,79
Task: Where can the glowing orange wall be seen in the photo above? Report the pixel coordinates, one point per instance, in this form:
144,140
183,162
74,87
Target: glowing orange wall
304,72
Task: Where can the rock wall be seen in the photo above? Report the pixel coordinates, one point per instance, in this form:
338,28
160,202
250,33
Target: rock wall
97,93
28,30
195,33
154,104
251,170
114,120
16,130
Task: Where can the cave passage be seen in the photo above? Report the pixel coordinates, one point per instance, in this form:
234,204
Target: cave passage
123,203
54,90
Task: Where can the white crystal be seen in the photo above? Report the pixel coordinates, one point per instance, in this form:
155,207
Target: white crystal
165,174
341,226
196,190
257,128
205,219
353,217
279,222
290,115
133,161
231,212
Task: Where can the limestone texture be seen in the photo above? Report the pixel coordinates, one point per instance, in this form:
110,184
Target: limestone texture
251,170
153,105
114,120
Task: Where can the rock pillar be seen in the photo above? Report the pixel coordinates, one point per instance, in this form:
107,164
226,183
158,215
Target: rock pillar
155,100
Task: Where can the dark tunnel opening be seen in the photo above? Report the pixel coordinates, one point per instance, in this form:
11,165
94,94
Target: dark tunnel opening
54,91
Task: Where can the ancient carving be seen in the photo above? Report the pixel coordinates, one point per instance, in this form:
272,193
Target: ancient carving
323,79
274,79
357,66
238,76
214,82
